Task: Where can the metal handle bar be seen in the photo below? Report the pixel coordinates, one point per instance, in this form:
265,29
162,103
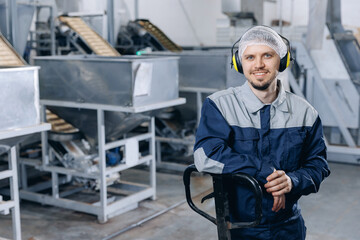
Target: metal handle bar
239,178
186,178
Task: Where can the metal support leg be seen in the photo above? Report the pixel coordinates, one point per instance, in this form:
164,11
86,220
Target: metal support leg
44,138
102,217
153,162
14,191
52,31
55,184
158,152
23,178
153,154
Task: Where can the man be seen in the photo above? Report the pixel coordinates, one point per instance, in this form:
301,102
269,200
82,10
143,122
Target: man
264,131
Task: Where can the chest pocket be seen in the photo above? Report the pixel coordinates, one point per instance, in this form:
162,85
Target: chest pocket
245,142
294,147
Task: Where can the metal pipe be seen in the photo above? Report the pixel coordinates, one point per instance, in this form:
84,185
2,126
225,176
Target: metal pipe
102,217
316,26
280,16
136,8
144,220
12,19
152,150
52,30
292,21
14,189
110,22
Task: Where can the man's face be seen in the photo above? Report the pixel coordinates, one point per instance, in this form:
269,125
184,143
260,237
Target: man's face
260,64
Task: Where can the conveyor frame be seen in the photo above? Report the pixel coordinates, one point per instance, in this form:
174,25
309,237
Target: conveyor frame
12,174
103,209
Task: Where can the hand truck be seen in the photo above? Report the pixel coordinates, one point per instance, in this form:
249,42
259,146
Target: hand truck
221,197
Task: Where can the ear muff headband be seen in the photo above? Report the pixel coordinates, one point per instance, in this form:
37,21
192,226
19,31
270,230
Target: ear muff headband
284,62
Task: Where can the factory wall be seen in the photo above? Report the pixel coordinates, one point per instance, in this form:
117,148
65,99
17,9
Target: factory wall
205,15
194,22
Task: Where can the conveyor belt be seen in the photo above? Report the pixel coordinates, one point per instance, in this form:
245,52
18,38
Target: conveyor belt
159,35
8,55
95,42
58,124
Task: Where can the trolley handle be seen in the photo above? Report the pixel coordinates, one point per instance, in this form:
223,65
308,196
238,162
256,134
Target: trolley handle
186,179
239,178
252,183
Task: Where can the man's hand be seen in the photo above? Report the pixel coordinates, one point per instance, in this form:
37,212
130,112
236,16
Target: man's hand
279,203
278,183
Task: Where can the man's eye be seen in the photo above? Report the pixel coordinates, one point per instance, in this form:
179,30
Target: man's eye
249,57
268,55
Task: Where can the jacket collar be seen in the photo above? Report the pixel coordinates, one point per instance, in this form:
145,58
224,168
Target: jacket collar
253,104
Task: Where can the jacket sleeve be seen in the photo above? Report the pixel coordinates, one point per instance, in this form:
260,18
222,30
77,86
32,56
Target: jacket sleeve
213,152
314,168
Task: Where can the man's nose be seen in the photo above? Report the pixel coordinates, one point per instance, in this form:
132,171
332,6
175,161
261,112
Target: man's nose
259,63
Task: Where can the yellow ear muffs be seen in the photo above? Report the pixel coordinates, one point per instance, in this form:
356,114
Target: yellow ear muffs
284,62
236,62
288,59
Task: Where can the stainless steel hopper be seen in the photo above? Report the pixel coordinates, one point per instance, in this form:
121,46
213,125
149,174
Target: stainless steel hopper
19,99
127,81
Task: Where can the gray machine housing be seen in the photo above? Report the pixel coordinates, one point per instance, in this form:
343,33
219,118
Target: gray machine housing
122,81
19,97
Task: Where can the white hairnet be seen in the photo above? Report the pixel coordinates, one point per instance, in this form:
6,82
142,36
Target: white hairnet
262,35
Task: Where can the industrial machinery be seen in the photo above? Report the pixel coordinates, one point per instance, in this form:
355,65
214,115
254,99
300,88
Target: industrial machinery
141,34
19,100
327,75
20,91
84,38
15,21
102,108
112,101
244,12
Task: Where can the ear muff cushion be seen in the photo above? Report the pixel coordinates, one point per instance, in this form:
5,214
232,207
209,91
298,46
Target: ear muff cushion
284,62
236,62
288,59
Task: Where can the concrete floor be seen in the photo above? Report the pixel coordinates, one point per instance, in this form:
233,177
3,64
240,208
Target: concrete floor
331,214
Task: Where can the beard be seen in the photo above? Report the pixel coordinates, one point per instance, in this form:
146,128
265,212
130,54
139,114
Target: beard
262,85
260,88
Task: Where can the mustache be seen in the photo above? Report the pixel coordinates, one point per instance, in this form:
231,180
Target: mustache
260,70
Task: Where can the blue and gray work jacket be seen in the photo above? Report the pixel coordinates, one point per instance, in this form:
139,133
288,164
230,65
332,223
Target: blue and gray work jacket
238,133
